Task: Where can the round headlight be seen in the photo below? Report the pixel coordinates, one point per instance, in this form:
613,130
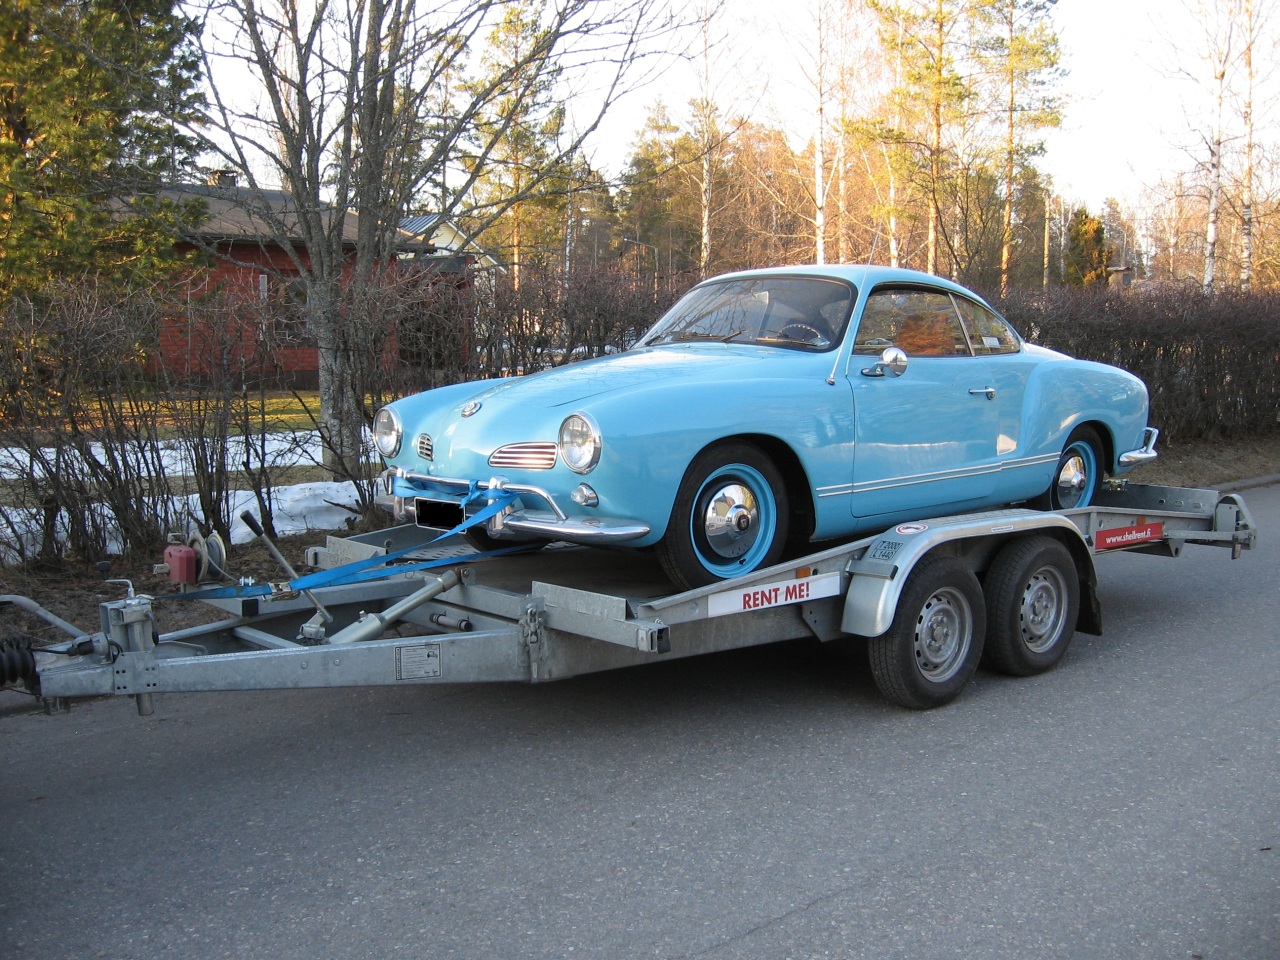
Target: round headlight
387,432
580,443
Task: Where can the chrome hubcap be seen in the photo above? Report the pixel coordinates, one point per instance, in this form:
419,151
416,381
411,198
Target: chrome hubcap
1073,478
944,631
731,522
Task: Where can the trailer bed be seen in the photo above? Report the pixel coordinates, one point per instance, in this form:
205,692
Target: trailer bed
564,611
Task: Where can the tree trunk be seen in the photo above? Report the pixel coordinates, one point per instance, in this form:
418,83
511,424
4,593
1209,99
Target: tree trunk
1006,237
1246,200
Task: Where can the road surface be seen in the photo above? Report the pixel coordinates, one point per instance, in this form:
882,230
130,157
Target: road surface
761,804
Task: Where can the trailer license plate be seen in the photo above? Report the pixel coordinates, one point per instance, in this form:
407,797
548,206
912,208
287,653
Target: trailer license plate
442,514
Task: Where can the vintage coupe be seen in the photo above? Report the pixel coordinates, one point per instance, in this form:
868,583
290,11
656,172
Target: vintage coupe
765,410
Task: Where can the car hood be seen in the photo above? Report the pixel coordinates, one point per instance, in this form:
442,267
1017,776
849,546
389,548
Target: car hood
572,384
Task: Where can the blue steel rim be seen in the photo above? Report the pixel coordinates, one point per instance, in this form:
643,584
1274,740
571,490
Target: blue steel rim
767,506
1084,450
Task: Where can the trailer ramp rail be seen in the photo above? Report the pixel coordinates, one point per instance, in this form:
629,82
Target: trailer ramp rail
563,612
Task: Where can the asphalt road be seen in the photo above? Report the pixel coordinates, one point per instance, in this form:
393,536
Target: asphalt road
764,804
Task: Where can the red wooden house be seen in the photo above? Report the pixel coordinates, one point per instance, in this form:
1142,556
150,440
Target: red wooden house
246,301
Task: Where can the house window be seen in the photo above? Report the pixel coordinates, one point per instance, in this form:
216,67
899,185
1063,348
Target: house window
284,296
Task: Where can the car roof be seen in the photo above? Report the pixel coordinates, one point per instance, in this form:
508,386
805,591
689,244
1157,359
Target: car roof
859,274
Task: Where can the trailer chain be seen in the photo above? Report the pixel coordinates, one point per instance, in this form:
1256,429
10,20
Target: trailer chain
533,626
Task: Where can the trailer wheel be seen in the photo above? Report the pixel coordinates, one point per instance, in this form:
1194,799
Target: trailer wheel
929,653
1033,599
729,517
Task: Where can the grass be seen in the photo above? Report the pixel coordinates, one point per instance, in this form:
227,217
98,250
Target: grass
1212,463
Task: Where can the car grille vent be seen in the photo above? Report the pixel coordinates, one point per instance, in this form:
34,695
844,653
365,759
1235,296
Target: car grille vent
540,455
426,450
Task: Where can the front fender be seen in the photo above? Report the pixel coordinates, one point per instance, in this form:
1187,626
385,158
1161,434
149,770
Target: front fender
651,437
1061,396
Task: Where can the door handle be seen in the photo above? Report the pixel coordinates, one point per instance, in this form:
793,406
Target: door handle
989,391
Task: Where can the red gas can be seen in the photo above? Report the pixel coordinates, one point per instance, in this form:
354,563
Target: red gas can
182,563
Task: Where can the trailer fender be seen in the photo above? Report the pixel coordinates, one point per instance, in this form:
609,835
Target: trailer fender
879,575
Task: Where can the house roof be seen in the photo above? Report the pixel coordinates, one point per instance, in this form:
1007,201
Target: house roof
254,214
445,237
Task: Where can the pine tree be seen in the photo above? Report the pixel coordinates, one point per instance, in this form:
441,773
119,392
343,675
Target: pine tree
1087,252
90,93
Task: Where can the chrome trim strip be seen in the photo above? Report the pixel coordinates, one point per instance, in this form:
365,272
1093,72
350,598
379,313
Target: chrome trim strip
871,486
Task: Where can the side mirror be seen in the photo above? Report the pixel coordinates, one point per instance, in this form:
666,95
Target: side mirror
892,359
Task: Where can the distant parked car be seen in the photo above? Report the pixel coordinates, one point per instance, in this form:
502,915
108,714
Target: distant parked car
767,409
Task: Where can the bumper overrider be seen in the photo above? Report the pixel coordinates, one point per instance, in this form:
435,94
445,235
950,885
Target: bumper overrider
444,502
1144,454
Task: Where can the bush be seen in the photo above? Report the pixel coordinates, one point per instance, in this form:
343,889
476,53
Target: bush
1210,361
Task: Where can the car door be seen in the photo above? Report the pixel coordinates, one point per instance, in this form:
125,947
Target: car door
926,438
1008,366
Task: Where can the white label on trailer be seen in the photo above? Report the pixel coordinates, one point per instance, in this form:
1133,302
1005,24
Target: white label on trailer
419,661
776,594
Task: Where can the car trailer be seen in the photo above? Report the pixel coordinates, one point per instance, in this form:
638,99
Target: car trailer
931,598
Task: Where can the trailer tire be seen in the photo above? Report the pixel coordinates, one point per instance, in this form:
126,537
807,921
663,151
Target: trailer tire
1033,601
930,651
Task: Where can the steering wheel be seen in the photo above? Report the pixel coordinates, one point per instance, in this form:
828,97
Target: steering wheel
813,333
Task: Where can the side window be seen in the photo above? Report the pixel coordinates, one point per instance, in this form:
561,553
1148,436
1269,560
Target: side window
923,323
989,333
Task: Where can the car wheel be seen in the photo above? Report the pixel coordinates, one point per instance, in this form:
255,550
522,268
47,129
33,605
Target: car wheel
1079,471
730,517
1033,600
930,651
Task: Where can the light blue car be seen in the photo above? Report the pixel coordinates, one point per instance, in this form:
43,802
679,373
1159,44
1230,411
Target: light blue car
766,410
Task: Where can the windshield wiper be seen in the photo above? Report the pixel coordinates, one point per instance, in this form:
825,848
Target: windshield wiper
687,336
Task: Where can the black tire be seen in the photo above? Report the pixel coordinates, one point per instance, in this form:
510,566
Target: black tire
1077,476
929,653
730,517
1033,600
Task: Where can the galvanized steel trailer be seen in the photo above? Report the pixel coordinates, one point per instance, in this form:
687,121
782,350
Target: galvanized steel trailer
931,598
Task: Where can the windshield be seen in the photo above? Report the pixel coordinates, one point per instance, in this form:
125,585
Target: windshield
807,313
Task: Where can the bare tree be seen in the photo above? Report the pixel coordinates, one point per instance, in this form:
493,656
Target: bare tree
1254,20
373,105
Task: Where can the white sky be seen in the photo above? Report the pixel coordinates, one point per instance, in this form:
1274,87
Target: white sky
1125,120
1128,120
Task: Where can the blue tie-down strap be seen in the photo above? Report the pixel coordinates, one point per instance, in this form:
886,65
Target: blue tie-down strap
374,568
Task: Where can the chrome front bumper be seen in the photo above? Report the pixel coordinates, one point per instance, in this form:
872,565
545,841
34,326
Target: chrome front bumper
1145,453
514,523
